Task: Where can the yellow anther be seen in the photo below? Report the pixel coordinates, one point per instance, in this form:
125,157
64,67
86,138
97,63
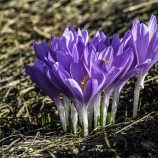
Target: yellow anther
106,61
151,35
84,81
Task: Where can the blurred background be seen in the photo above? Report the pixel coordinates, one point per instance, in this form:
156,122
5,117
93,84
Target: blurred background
23,107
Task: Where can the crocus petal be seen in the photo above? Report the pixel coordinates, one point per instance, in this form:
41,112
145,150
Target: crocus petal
89,55
115,42
75,89
42,82
60,72
107,56
141,39
58,77
85,36
80,47
41,50
57,74
127,41
125,57
90,90
95,39
152,25
77,72
52,57
107,53
100,41
131,73
49,73
70,34
111,76
135,27
152,51
102,65
100,77
101,46
75,53
54,43
120,50
65,59
39,65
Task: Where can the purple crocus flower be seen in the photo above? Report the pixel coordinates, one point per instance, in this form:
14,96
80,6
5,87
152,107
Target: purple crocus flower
110,67
83,80
131,69
64,69
37,76
145,55
108,61
126,58
122,51
145,44
96,60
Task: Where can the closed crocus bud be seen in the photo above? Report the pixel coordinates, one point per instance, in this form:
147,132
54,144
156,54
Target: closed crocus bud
145,44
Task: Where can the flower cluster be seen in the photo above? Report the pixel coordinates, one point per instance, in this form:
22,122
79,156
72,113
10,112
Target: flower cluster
86,72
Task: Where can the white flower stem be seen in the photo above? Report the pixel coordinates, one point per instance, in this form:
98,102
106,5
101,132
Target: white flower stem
83,114
61,112
115,102
96,104
138,86
74,118
90,115
104,108
136,100
66,103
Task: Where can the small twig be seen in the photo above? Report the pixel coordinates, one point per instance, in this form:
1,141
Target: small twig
12,143
24,153
140,5
45,35
130,125
52,155
151,79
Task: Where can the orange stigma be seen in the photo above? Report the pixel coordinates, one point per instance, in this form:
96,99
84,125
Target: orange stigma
84,81
106,61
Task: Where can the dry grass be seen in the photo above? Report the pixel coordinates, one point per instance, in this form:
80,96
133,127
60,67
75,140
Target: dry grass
105,143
